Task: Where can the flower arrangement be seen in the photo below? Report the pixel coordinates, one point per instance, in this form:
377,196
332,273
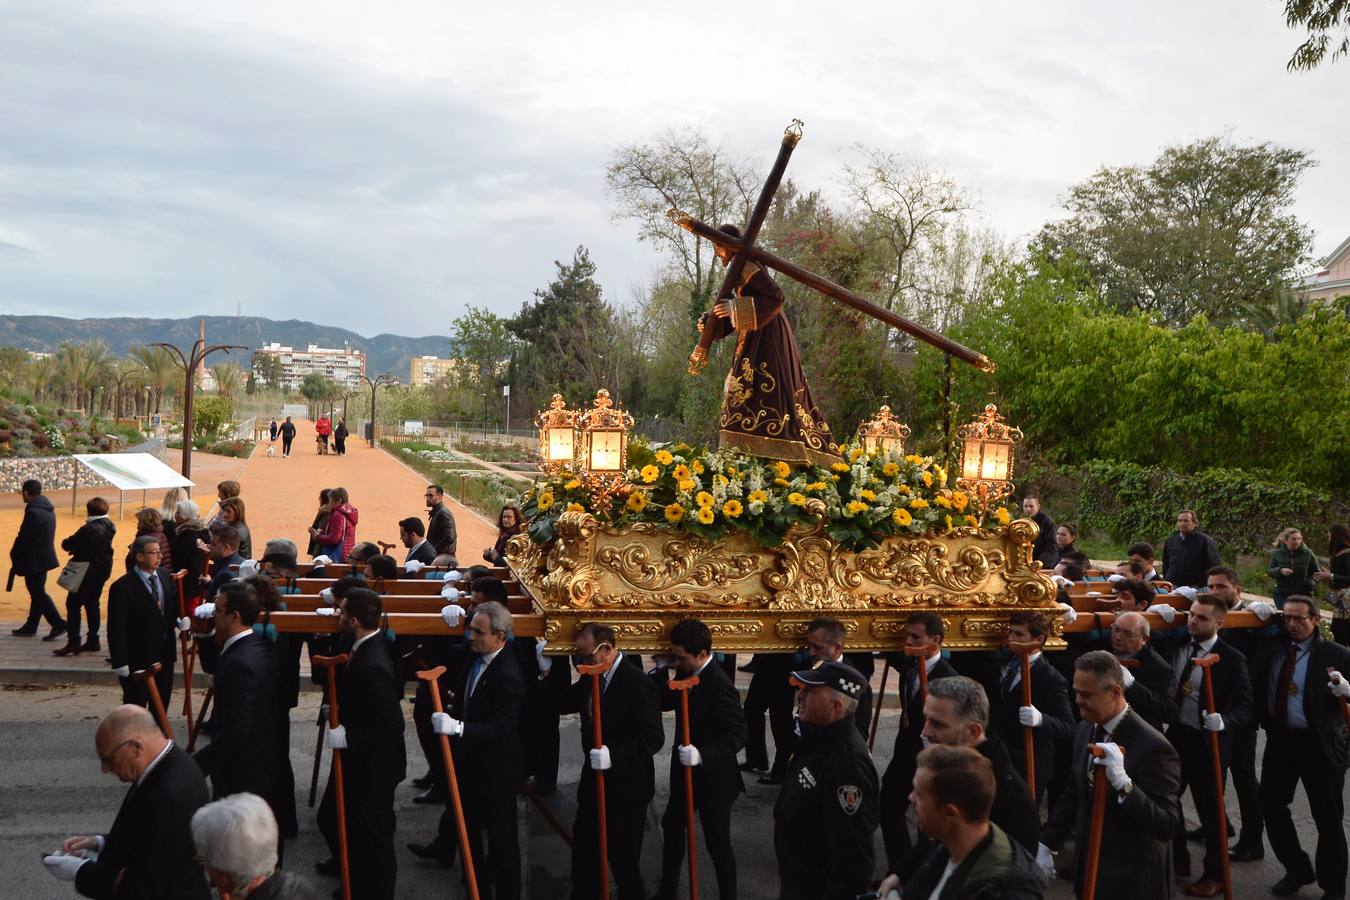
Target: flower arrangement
863,500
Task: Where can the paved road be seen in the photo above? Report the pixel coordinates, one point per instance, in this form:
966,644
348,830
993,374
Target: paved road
52,787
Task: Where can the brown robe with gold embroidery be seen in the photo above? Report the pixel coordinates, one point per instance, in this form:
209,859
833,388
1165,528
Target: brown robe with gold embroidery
767,410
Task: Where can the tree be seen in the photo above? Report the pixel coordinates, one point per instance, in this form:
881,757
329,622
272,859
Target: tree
1321,18
314,387
160,369
210,415
126,375
228,378
1207,228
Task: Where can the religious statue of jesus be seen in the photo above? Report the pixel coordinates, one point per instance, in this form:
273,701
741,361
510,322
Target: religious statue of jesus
767,409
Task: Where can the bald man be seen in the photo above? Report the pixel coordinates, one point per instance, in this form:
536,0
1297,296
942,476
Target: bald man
149,851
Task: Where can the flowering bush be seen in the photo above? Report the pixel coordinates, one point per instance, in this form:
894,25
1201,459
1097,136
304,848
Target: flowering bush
862,500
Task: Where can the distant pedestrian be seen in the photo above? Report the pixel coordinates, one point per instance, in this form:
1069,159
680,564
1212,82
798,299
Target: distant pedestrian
319,524
287,432
32,556
1044,550
340,434
1189,553
272,429
91,544
322,429
1292,565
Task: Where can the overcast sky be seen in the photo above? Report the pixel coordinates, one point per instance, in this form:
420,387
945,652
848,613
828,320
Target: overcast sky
380,166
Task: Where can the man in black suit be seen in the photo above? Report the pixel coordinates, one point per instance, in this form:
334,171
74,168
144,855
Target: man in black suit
1150,682
484,724
825,642
1050,716
631,734
225,556
149,851
142,618
440,523
716,735
1298,704
370,735
1188,553
1141,809
33,555
1044,551
923,629
412,534
1188,733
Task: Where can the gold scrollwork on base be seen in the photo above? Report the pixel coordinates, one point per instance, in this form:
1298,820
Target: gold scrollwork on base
811,572
691,561
795,629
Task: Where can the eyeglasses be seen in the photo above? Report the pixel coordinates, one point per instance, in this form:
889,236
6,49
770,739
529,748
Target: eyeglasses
107,758
1289,618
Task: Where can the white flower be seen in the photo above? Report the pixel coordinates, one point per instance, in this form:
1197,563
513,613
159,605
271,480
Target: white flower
756,508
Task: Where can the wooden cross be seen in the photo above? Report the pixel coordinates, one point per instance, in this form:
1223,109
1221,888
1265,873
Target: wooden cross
744,250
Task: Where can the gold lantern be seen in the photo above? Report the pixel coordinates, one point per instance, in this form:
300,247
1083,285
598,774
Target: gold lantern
882,432
604,432
987,456
557,434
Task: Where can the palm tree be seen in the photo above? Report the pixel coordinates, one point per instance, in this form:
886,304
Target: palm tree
159,367
95,363
126,375
228,377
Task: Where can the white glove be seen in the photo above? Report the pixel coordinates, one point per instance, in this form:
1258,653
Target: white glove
1186,591
1030,715
689,755
1128,677
1114,763
326,595
600,760
453,614
1061,581
325,611
1167,612
183,624
321,560
336,738
205,611
1115,579
122,671
1339,686
545,664
442,723
453,575
1069,613
1261,609
1045,860
62,866
414,566
248,568
451,594
1213,721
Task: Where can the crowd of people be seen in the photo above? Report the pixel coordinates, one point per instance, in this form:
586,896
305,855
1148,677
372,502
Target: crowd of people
329,436
1001,775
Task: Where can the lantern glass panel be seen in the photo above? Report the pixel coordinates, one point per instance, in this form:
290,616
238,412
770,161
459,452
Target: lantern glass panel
869,443
560,446
995,463
970,459
606,451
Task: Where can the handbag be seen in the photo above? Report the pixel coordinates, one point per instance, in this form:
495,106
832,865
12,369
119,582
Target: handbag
72,576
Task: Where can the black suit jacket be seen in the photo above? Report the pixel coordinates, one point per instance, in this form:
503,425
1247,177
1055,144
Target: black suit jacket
441,529
242,752
150,845
140,633
1232,687
1050,695
1320,706
424,553
630,720
489,755
370,693
1154,692
716,728
34,549
1136,831
908,738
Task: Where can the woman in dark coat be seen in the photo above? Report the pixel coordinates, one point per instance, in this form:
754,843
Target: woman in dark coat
188,531
320,523
149,521
340,437
91,544
1338,580
1066,540
1292,565
508,526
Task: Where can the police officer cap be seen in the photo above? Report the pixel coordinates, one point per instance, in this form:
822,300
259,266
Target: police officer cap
843,678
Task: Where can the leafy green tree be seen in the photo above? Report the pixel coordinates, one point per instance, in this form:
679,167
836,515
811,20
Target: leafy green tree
210,416
1325,20
314,387
161,370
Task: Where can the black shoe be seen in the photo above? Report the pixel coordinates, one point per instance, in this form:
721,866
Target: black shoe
24,631
771,779
432,795
754,767
56,632
424,781
434,853
1290,883
328,868
1240,853
91,645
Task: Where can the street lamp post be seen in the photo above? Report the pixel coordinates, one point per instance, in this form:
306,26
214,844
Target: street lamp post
375,383
190,362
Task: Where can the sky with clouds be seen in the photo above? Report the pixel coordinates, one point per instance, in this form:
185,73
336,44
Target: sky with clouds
383,166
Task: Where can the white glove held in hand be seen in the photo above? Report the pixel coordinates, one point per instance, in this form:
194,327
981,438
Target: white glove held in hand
325,611
1045,860
600,759
453,575
1213,721
1167,612
442,723
205,611
62,866
1070,615
1261,609
1114,762
248,568
1128,676
1339,686
183,624
336,738
414,566
689,755
326,595
122,671
320,560
1030,715
451,594
453,615
545,664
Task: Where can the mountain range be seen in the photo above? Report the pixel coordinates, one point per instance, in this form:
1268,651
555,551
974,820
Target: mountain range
384,352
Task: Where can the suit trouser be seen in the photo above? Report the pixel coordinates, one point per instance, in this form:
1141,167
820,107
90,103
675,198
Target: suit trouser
1247,786
896,784
497,866
625,820
138,694
756,705
88,601
429,741
40,604
539,727
370,829
1292,756
1197,772
715,815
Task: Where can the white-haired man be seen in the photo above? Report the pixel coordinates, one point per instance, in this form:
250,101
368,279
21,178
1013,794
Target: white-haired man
236,839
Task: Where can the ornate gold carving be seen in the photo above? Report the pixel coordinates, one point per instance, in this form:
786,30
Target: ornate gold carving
985,628
795,629
811,572
683,560
914,563
723,628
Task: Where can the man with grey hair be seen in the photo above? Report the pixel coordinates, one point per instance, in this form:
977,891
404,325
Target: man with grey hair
148,852
1141,810
236,839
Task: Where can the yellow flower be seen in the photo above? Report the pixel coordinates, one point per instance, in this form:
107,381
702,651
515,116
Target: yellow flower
890,470
797,499
650,473
972,521
941,474
781,469
572,485
637,501
732,473
914,459
781,482
731,509
674,513
949,522
759,497
680,473
704,499
927,479
960,500
902,517
903,488
943,502
1003,517
545,500
816,486
855,454
575,507
857,506
869,496
698,467
705,515
688,484
664,457
839,467
720,481
918,503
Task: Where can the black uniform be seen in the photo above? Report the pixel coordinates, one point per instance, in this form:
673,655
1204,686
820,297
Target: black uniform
826,816
242,753
1050,695
441,529
899,778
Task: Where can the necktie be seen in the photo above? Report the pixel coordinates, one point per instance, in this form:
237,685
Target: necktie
1282,689
1009,676
1186,669
473,675
153,583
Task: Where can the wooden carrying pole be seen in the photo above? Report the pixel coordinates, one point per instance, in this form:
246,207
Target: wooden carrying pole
432,677
1204,664
876,713
329,664
1345,706
683,685
195,728
156,702
920,655
597,671
186,645
1100,788
1024,650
